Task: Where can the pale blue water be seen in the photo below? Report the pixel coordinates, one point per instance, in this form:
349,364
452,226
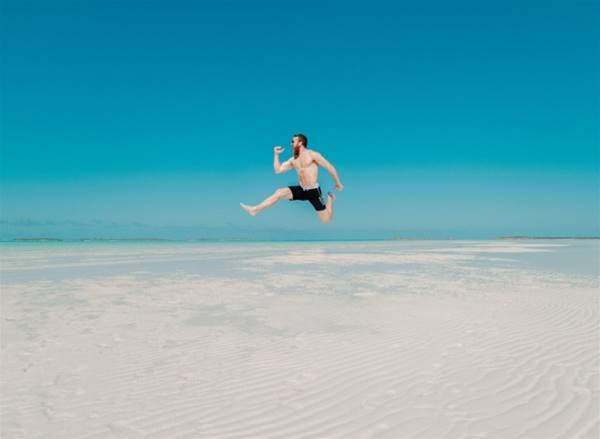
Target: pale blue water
47,260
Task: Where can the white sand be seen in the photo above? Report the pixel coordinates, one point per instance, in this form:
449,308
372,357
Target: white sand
344,340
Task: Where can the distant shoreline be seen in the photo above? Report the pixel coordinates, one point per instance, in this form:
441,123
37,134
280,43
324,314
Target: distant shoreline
548,237
518,237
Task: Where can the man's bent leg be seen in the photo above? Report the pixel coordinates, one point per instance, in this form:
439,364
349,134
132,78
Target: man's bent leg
327,214
279,194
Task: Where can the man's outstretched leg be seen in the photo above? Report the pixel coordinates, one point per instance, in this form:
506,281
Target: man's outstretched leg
325,215
279,194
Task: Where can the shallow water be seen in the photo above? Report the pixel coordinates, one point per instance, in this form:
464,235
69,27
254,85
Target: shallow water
21,261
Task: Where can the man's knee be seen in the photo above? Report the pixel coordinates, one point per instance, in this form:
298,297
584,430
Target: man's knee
325,219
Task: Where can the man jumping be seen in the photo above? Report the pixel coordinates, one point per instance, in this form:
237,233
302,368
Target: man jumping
306,163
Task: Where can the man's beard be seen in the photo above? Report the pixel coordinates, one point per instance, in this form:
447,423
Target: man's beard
296,152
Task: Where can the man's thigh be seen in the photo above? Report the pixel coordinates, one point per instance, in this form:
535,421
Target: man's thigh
286,193
295,193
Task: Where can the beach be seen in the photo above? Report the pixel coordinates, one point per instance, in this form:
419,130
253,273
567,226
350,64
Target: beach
381,339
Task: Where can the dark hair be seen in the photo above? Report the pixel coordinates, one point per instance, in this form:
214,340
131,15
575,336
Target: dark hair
303,139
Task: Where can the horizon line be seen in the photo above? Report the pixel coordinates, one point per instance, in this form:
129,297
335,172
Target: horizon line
395,238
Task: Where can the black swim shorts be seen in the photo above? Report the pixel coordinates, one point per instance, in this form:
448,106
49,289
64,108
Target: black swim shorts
313,195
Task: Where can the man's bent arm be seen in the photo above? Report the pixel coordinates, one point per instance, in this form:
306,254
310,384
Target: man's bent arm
279,168
324,163
334,175
276,163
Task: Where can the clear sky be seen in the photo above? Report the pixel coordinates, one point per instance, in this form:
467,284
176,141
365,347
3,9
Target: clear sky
458,119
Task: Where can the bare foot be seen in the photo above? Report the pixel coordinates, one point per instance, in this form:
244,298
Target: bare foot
331,196
248,209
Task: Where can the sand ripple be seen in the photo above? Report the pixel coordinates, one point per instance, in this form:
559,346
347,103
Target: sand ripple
379,341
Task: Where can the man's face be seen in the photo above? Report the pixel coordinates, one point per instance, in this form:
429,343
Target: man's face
296,143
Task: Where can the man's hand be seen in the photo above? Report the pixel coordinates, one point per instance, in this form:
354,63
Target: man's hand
278,150
339,186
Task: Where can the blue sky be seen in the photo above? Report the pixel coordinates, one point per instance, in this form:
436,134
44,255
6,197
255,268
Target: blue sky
444,119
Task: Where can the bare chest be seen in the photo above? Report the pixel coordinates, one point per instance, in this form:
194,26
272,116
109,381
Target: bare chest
304,163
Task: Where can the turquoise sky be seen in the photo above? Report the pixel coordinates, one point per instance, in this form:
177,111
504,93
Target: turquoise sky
467,119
